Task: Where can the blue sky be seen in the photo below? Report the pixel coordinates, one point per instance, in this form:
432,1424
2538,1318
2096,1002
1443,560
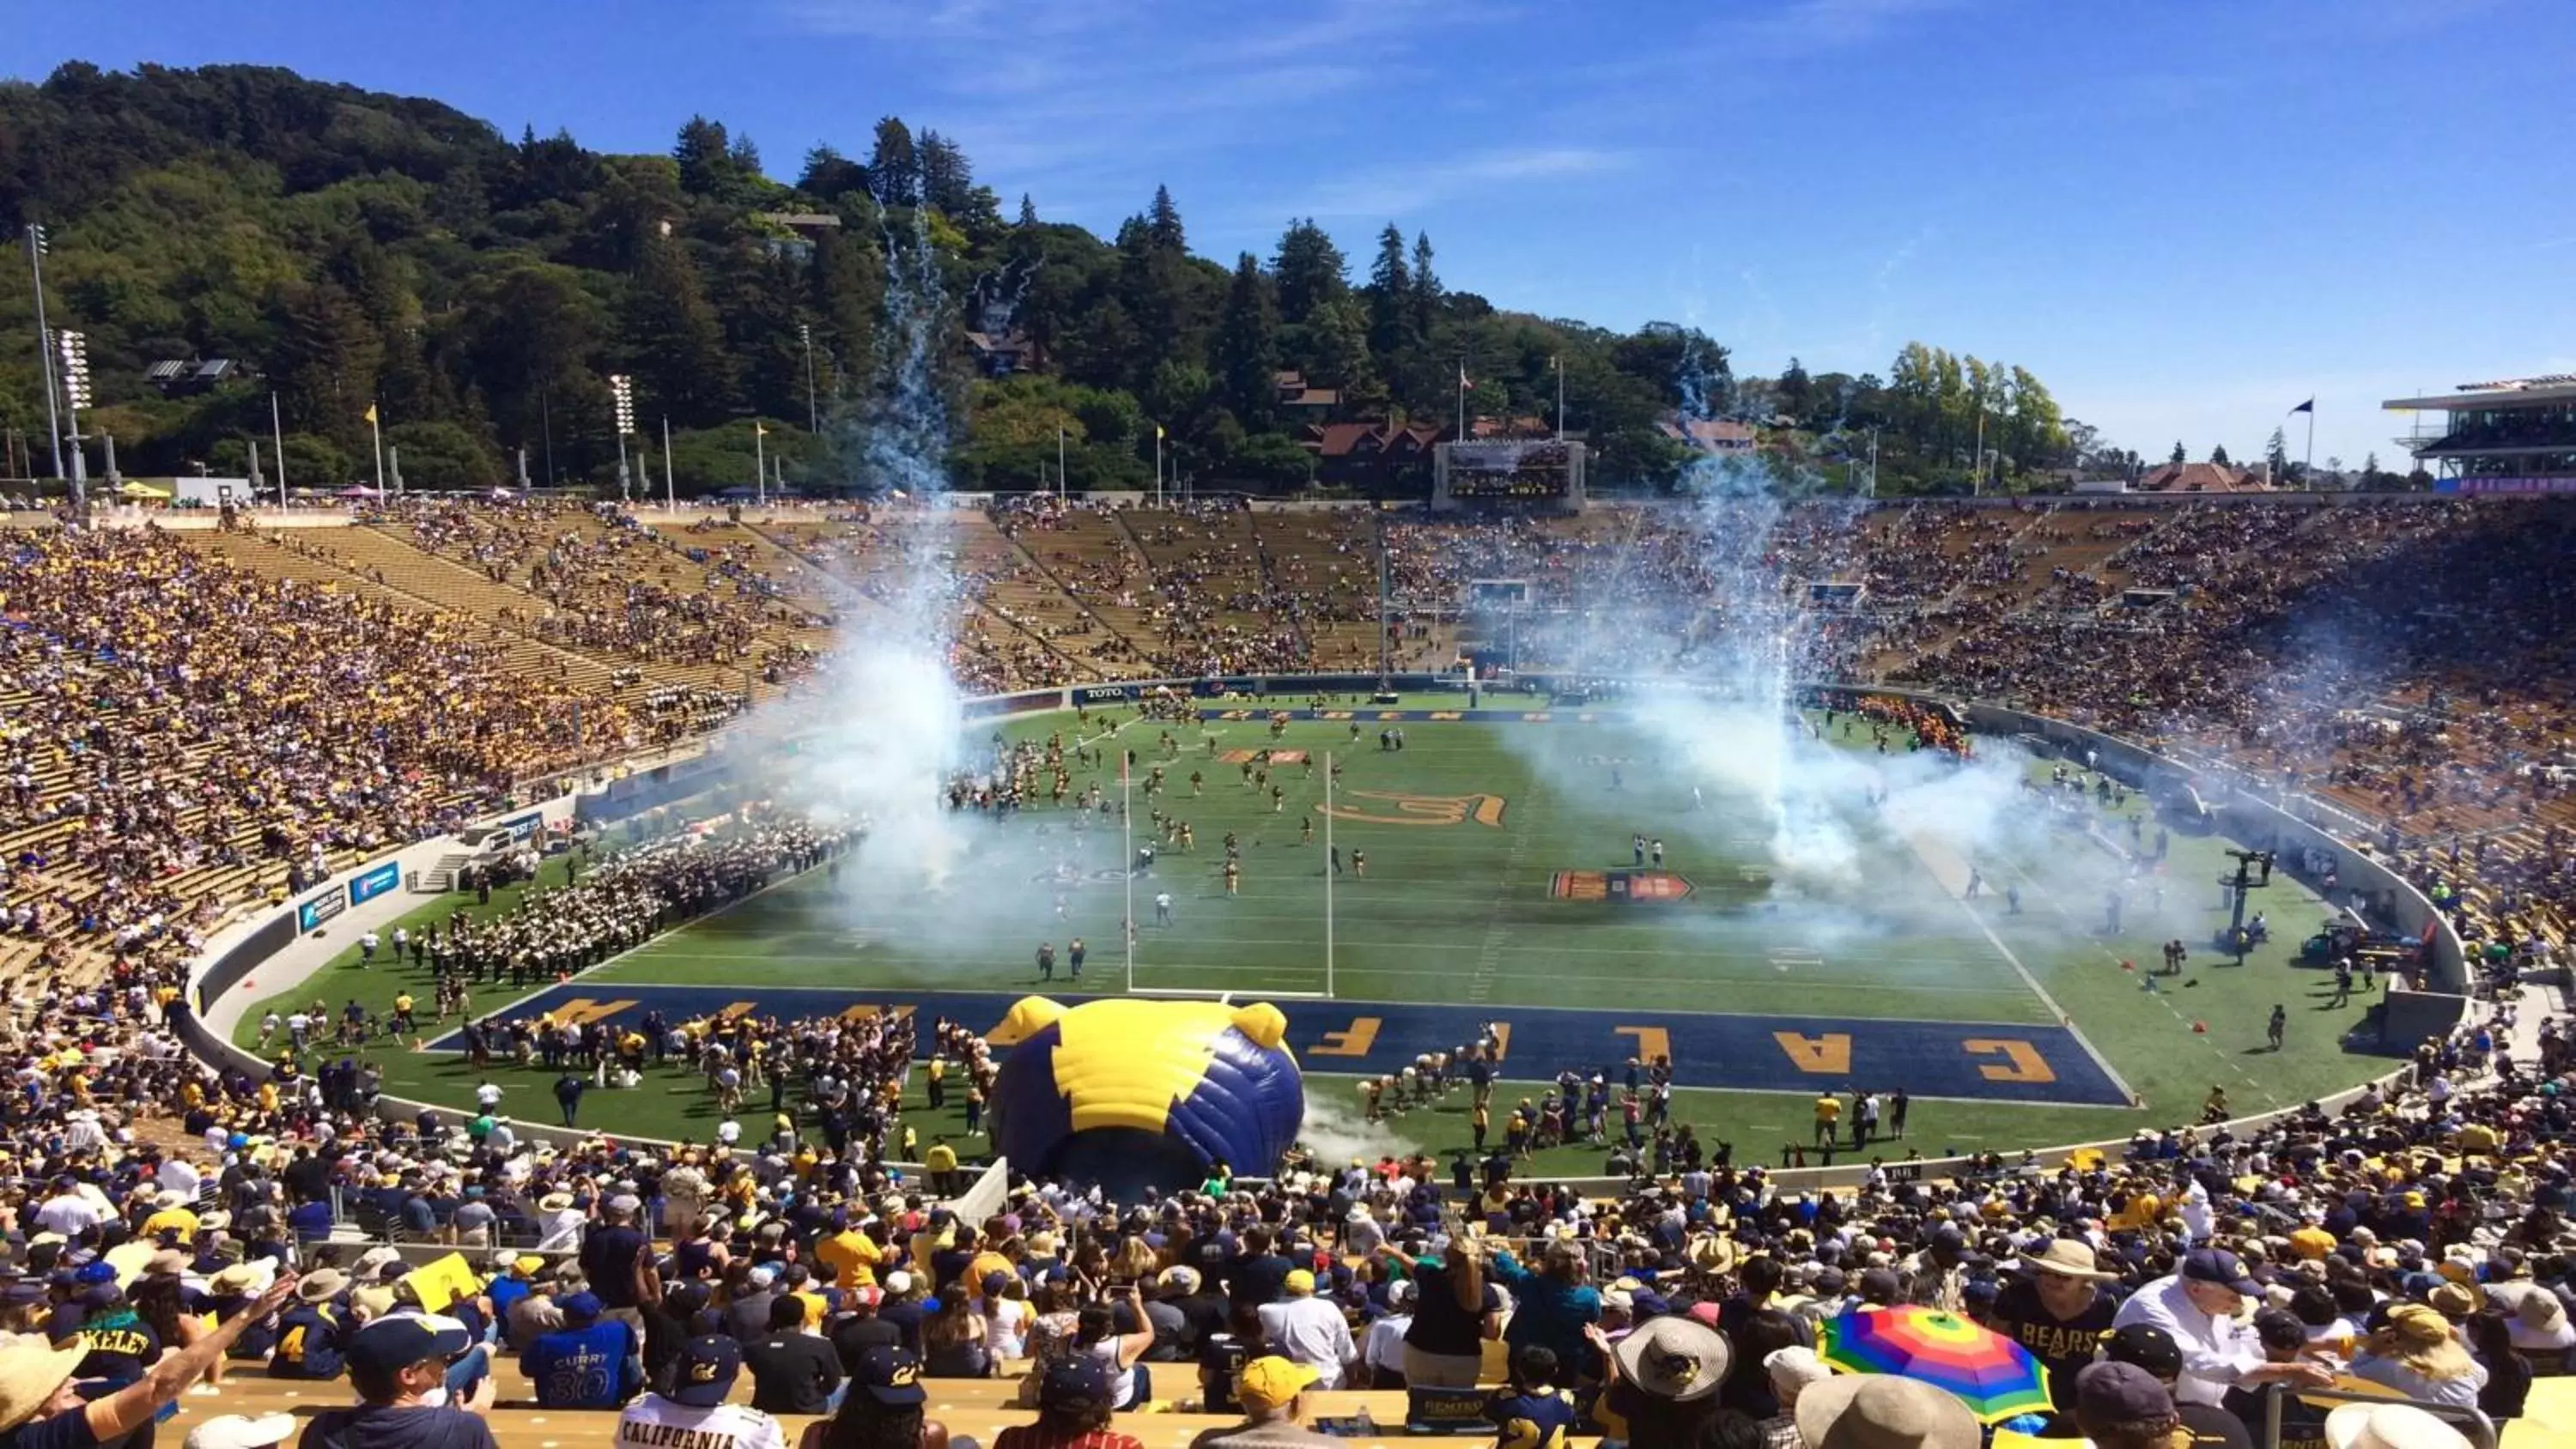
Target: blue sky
2183,216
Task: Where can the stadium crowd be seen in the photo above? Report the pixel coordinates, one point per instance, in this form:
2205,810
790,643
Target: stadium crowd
172,716
2415,1242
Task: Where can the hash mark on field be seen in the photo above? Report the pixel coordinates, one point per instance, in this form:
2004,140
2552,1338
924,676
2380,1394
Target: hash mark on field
1784,957
1497,932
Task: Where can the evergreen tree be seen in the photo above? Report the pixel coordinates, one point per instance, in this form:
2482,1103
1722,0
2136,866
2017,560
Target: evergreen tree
1794,395
846,285
947,178
1028,213
1246,350
1390,293
894,167
2218,455
1310,270
324,359
705,154
1163,224
1423,305
2178,456
830,175
681,367
2276,456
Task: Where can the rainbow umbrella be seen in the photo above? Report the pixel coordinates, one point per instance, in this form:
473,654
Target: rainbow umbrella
1994,1376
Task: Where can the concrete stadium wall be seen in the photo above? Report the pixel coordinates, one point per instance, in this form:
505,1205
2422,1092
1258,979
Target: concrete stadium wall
238,949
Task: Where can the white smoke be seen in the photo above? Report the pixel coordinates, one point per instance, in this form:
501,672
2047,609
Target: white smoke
1335,1131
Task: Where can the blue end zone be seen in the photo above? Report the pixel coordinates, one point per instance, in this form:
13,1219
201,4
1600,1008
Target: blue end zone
1967,1060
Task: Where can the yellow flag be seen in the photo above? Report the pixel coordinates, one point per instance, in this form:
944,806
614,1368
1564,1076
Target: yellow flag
757,429
371,412
1158,432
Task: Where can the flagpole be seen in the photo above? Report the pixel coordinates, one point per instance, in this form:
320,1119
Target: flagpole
2308,468
759,464
670,490
377,428
1556,364
1158,465
1059,460
1461,435
277,433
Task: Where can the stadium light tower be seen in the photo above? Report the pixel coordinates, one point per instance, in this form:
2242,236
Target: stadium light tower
621,393
75,359
813,414
36,247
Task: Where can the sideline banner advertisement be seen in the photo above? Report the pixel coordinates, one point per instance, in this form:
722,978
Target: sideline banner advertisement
321,908
375,883
523,827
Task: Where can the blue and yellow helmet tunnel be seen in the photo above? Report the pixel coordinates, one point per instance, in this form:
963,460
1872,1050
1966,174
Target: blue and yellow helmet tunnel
1132,1093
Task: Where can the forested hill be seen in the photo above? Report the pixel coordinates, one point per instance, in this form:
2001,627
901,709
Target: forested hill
346,247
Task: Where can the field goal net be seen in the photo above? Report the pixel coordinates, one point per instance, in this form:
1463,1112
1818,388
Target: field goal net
1527,474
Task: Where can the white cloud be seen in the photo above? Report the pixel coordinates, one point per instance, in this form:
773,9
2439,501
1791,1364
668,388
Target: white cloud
1412,187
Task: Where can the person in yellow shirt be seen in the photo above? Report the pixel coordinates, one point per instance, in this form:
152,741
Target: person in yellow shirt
941,1164
171,1215
852,1254
1829,1112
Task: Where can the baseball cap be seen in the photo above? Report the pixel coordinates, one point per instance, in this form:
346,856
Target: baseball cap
389,1345
1270,1382
1075,1383
2219,1266
2120,1393
243,1431
708,1367
2145,1346
1300,1281
580,1307
891,1375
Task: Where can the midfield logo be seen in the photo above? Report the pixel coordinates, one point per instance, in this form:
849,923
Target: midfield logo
1403,809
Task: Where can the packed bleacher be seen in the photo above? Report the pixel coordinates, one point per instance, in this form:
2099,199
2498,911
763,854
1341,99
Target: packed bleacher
192,721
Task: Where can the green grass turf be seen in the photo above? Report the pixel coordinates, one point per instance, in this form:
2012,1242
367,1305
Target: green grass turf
1461,913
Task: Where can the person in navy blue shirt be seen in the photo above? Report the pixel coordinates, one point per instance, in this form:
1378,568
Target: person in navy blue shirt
309,1334
1531,1412
589,1363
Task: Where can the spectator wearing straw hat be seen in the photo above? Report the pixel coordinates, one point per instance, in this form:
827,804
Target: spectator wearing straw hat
1661,1381
2390,1426
2056,1308
309,1334
2416,1353
41,1406
1878,1411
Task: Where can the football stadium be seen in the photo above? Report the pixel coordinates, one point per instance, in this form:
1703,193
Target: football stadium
649,803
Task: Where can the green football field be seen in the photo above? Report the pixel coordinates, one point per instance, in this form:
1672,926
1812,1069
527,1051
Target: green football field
1501,884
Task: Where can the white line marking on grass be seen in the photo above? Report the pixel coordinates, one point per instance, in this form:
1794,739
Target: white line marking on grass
2162,999
1923,851
1695,985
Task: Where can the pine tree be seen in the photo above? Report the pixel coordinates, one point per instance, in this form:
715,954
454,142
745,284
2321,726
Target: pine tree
1028,213
2179,457
2276,456
947,177
894,167
681,367
1423,304
1246,350
1163,224
846,286
1310,270
1794,395
1390,291
325,360
2218,455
